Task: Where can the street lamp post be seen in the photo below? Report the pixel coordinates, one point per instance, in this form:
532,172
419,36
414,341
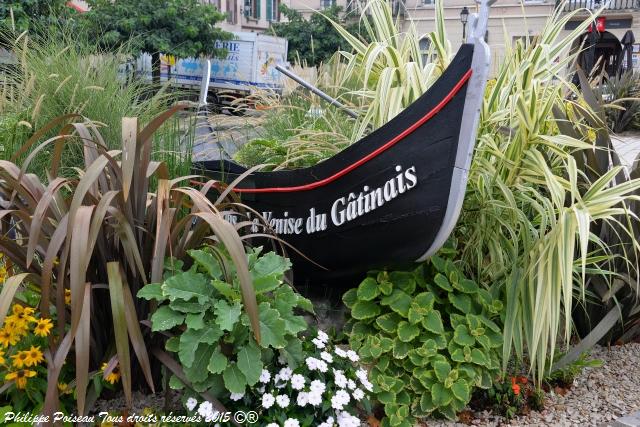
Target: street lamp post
464,17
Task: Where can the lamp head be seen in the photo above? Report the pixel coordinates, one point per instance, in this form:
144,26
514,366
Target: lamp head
464,15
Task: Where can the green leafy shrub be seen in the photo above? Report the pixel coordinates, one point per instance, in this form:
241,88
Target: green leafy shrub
213,338
429,336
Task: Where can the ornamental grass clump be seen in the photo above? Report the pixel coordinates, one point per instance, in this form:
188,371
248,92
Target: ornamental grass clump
99,236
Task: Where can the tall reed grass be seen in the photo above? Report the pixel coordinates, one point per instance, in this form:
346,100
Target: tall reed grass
59,73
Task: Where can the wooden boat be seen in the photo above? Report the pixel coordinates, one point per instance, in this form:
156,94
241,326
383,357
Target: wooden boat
391,198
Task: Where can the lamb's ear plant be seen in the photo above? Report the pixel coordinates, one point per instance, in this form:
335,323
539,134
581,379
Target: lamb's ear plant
212,337
429,336
102,233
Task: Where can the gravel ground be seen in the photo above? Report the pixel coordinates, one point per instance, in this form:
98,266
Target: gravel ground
140,401
597,398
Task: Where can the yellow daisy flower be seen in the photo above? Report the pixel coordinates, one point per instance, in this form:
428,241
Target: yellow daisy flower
35,356
21,359
43,327
67,296
20,377
16,325
113,377
22,314
8,338
64,388
2,357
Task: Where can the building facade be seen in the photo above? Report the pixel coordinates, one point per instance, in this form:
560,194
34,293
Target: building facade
249,15
306,7
515,19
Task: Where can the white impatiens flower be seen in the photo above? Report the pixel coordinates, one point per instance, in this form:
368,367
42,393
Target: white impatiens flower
340,379
318,343
297,382
191,403
358,394
340,399
268,400
351,384
291,422
362,375
265,376
236,396
327,423
322,366
317,386
312,363
285,373
282,400
272,425
340,352
345,419
315,398
326,356
353,356
205,409
303,398
323,336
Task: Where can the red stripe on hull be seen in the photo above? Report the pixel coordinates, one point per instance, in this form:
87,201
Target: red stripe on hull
369,156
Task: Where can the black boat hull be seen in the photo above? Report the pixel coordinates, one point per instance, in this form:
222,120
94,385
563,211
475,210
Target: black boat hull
390,199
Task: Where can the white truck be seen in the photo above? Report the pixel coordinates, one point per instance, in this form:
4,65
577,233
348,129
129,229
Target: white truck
250,64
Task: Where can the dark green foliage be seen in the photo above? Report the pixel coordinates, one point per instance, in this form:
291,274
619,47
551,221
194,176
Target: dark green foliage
313,41
29,13
623,102
429,336
184,28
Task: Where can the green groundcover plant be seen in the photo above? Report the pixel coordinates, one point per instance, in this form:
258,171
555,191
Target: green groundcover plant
429,335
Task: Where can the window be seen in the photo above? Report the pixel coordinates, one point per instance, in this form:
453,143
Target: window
326,4
252,9
428,2
273,10
232,10
425,46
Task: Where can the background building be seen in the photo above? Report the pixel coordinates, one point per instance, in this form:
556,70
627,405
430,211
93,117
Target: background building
511,19
515,19
249,15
